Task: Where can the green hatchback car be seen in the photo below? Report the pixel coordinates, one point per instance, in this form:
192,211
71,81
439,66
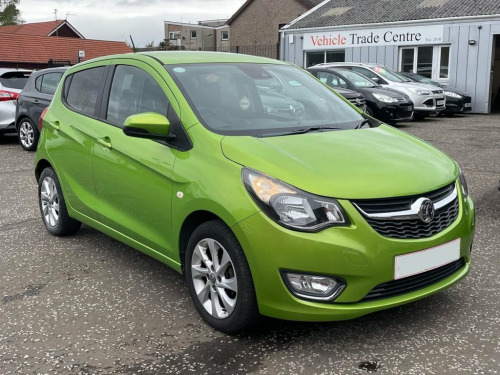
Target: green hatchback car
270,193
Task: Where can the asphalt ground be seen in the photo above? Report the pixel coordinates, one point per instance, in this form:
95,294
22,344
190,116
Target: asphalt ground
87,304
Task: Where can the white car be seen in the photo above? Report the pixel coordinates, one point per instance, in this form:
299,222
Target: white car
12,82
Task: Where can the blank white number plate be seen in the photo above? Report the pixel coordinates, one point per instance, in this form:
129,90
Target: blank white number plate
425,260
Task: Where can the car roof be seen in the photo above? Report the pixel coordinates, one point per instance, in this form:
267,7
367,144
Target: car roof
61,69
199,57
338,64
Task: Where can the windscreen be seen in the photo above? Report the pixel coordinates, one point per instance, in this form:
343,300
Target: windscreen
390,75
255,99
357,79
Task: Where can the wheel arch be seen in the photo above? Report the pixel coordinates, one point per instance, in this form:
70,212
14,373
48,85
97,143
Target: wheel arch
40,166
191,222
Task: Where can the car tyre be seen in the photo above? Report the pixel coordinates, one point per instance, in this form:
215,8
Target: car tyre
28,134
53,206
219,279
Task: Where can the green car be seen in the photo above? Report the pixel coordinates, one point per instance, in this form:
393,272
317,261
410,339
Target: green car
270,193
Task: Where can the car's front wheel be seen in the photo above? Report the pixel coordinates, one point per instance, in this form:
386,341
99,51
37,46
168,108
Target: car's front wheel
28,135
53,206
219,279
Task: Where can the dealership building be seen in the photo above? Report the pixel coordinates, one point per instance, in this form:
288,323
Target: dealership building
454,42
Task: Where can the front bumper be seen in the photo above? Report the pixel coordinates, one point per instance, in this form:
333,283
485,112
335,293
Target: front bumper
454,105
356,254
431,105
393,112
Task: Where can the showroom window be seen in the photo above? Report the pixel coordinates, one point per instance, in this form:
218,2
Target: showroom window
314,58
428,61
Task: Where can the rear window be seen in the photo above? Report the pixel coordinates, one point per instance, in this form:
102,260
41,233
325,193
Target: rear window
15,80
83,88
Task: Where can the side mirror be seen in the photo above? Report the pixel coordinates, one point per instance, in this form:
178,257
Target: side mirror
149,125
376,79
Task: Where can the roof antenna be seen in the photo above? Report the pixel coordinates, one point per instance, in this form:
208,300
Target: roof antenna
69,14
55,13
133,45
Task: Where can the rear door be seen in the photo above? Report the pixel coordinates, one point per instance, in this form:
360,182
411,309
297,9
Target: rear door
40,98
133,175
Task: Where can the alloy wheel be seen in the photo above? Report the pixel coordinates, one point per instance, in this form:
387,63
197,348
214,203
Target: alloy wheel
26,134
214,278
49,198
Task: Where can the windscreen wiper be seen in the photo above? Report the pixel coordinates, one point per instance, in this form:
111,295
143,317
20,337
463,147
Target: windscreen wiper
301,131
362,123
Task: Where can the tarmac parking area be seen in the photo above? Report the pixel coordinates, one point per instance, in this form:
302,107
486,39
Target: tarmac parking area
87,304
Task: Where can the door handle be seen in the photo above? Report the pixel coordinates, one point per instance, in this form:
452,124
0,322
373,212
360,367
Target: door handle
104,142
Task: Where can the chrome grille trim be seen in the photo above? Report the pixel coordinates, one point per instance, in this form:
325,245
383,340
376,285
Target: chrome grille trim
412,213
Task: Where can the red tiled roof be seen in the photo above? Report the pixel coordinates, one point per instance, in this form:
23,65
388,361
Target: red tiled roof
40,49
38,28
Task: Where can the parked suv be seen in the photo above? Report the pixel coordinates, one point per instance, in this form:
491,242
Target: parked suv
321,215
34,98
427,100
457,101
385,104
12,81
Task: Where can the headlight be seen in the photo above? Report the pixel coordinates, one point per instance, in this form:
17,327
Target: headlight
385,98
291,207
463,183
418,91
452,94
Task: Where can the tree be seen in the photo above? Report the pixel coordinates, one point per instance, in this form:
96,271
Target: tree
9,14
150,44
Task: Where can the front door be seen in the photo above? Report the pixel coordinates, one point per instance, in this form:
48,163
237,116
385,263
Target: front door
133,175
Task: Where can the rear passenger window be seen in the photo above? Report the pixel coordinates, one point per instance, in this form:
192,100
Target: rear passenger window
84,87
47,83
134,91
50,82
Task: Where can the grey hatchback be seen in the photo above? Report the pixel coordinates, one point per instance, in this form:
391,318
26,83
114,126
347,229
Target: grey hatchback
35,97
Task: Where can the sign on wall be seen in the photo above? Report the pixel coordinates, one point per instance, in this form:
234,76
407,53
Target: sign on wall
399,36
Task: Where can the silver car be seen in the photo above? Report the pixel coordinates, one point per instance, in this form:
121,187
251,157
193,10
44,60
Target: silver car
12,81
427,99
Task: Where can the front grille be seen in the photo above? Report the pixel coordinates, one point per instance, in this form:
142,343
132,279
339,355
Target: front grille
409,284
358,102
414,227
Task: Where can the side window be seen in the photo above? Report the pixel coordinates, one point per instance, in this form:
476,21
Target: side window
49,82
38,83
368,73
83,90
134,91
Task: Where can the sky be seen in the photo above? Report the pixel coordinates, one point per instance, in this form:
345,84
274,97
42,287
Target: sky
118,19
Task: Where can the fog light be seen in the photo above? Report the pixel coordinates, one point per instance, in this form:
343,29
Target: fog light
320,288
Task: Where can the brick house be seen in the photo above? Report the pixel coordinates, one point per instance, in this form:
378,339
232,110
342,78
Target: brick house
44,44
255,25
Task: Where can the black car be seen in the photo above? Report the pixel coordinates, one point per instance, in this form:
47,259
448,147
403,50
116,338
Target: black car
383,103
457,101
35,97
355,97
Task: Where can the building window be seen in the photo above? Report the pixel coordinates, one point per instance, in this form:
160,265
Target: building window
428,61
171,35
193,34
224,35
314,58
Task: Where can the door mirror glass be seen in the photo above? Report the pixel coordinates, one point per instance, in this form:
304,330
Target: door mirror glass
148,125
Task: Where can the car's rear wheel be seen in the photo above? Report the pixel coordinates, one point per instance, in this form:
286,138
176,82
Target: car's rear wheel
53,206
28,135
219,279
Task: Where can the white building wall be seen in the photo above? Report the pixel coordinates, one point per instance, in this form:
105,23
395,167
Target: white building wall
469,66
